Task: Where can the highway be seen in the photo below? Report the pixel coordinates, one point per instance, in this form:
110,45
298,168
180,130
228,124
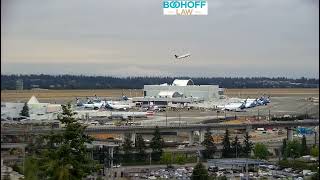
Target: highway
187,128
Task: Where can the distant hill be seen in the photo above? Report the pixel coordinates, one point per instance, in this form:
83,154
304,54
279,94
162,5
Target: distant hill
102,82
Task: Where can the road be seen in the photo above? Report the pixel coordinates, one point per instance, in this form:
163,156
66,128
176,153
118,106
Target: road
189,127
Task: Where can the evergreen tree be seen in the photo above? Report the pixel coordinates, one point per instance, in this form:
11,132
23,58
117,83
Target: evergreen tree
199,172
65,155
236,147
226,151
25,110
140,147
127,148
116,155
247,145
293,149
156,145
283,149
208,143
304,148
261,151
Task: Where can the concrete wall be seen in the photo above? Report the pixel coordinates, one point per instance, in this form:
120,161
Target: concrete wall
207,92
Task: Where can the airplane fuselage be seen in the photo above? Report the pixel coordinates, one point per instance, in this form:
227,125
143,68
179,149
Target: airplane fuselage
182,56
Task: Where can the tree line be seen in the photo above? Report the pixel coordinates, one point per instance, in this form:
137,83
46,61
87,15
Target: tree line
108,82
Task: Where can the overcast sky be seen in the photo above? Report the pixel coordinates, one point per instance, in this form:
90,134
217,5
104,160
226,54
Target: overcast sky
128,38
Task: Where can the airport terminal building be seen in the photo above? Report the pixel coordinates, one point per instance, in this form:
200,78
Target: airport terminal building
180,91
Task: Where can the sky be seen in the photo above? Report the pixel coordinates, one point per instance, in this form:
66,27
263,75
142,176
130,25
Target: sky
247,38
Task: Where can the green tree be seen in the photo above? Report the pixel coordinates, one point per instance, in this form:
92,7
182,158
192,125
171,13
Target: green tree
25,110
293,149
180,159
283,149
261,151
31,168
236,147
167,158
65,155
247,145
156,145
314,151
140,147
199,172
304,148
208,143
226,151
127,148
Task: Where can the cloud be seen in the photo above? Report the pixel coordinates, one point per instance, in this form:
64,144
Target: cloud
269,36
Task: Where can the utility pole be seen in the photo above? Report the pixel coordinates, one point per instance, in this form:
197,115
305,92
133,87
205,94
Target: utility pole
236,151
315,138
179,118
166,117
247,174
150,158
269,115
306,113
217,114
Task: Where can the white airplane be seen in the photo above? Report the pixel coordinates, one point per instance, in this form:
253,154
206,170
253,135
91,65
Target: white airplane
182,56
94,104
117,106
130,115
251,103
236,106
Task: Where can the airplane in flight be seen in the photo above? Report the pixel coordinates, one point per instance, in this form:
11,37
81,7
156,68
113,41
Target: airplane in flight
182,56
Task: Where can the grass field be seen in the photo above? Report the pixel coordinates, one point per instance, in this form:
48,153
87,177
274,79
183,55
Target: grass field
67,95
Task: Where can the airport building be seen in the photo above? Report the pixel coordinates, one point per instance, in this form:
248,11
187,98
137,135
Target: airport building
180,91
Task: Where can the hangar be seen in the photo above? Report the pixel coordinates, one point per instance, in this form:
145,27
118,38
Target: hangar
180,91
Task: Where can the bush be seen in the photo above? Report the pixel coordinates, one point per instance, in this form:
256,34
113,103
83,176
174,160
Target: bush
297,164
314,151
180,159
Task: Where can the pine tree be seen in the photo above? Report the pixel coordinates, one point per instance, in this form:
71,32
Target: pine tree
140,147
156,145
283,149
236,147
247,145
65,155
208,143
226,151
127,148
199,172
304,148
25,110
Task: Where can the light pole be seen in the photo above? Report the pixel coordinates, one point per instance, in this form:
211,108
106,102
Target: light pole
166,117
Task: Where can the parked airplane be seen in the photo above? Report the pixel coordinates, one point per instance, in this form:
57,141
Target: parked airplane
117,106
251,103
233,106
78,102
263,100
182,56
96,104
130,115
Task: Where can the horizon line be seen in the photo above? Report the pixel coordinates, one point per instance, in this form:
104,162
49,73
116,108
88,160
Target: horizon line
147,76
